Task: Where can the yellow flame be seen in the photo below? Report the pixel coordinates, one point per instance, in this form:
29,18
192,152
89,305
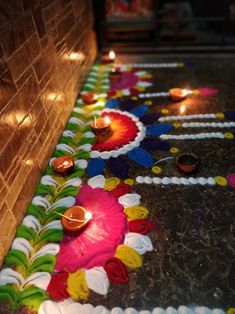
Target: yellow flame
107,120
112,55
88,215
182,109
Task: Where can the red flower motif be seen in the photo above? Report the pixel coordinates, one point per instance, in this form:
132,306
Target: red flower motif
121,189
124,130
116,270
57,287
141,226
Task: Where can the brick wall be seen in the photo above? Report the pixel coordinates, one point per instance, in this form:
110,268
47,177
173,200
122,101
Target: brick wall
46,48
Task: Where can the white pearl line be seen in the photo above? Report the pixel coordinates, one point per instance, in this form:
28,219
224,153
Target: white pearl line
176,180
198,136
208,125
158,94
189,117
152,65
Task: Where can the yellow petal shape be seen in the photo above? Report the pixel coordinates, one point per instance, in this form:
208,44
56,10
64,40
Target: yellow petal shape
129,256
136,212
119,93
111,183
77,286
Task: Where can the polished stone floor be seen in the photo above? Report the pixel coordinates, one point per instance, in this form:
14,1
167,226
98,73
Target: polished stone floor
193,262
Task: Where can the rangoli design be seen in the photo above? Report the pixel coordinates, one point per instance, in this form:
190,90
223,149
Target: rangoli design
49,269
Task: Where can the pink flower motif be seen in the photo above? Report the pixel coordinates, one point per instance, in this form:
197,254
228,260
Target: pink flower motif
206,91
128,80
97,243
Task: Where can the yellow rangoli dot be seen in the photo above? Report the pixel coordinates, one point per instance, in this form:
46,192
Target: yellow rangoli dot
221,181
129,181
181,65
228,135
176,125
156,169
148,102
134,98
164,111
174,150
219,115
139,88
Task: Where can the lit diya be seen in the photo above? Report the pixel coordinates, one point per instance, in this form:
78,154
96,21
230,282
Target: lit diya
75,218
89,98
187,162
115,75
109,58
63,164
178,94
101,125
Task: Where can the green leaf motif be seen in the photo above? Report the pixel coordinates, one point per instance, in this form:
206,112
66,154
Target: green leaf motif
7,293
43,263
32,297
37,211
82,155
49,170
67,191
77,174
26,232
86,140
68,140
52,215
50,235
72,127
16,257
45,190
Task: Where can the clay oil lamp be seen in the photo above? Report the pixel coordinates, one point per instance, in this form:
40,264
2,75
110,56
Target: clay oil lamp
115,75
63,164
187,163
178,94
101,125
110,58
89,98
75,218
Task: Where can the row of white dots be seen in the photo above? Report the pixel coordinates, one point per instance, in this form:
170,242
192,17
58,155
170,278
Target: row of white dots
176,180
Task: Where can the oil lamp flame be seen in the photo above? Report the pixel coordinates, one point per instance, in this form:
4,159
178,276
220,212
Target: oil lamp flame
112,55
107,120
88,215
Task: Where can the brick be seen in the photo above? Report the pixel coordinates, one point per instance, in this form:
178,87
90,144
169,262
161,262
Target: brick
38,88
64,25
9,11
8,89
24,57
39,21
15,34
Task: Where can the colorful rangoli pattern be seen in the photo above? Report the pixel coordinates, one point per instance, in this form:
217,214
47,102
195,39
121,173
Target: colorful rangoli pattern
45,262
